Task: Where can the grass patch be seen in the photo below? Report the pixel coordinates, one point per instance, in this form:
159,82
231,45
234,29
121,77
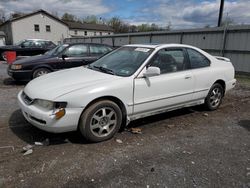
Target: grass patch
243,79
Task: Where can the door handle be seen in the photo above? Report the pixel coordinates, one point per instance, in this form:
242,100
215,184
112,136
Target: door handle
188,77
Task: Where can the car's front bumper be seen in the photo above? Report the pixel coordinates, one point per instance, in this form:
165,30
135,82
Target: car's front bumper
46,121
20,74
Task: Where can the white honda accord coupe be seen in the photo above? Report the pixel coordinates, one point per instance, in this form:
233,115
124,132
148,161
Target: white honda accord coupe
131,82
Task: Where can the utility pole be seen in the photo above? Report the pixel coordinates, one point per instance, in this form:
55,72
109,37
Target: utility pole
221,12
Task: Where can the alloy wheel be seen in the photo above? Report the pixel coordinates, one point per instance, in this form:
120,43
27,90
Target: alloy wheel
103,122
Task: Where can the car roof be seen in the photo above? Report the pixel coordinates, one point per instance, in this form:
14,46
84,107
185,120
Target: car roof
159,45
37,39
87,43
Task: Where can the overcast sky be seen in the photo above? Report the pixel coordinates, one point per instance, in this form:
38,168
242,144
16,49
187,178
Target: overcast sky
181,13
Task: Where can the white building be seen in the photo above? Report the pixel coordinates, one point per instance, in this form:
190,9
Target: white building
2,38
42,25
77,29
37,25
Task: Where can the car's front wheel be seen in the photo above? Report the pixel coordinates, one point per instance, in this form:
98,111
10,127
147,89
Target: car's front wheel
214,97
100,121
40,71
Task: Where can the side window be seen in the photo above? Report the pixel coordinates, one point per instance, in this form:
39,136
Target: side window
28,44
169,60
98,50
38,44
77,51
197,60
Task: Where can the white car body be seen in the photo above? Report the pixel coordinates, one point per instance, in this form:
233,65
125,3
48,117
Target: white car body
139,96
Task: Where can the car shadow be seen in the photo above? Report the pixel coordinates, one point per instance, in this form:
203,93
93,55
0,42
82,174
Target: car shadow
30,134
245,124
12,82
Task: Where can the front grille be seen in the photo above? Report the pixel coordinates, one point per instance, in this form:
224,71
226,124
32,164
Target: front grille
27,99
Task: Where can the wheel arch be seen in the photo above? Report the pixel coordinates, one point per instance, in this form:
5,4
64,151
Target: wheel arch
40,67
113,99
222,83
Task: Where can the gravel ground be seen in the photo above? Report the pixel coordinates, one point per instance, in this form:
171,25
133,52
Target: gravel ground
184,148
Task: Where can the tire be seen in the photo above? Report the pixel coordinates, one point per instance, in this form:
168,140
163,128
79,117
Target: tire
3,56
40,71
100,121
214,97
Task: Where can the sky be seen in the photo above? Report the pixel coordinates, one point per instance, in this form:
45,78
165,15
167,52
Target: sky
178,13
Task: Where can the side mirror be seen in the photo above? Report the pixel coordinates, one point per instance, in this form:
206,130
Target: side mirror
152,71
22,46
64,56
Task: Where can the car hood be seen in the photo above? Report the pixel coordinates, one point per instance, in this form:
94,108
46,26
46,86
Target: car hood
32,59
54,85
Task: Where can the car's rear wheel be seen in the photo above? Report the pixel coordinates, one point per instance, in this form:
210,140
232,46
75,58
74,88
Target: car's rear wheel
3,55
100,121
40,71
214,97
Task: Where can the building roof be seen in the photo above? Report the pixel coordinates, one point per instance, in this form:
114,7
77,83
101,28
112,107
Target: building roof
32,14
87,26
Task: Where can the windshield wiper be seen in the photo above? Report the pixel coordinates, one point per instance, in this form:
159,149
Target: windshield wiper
106,70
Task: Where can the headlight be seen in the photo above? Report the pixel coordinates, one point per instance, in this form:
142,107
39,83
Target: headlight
16,67
49,105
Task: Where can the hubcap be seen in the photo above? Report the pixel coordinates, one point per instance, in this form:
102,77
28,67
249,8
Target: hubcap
42,72
103,122
215,97
4,56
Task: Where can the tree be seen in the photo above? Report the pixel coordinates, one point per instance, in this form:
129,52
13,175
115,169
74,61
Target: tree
2,16
117,24
91,19
17,14
68,17
228,21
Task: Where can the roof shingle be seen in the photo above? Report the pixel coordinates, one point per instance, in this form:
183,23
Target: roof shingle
87,26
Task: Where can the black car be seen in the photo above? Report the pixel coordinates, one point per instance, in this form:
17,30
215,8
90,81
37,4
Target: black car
29,47
62,57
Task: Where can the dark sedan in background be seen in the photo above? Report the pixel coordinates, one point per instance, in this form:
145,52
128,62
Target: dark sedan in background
29,47
62,57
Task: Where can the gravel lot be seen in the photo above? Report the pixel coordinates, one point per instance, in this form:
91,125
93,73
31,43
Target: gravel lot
184,148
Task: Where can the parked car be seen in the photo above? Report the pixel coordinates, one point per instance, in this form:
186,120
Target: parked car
28,47
62,57
131,82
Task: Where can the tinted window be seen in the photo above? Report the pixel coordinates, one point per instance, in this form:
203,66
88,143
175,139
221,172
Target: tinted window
169,60
77,51
28,44
99,50
197,60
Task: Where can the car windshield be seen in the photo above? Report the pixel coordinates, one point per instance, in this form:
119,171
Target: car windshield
57,50
123,61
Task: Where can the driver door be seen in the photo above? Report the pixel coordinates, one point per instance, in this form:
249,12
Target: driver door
75,56
174,86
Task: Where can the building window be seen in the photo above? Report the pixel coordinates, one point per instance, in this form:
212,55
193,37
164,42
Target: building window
75,32
36,27
101,33
94,33
48,28
85,33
